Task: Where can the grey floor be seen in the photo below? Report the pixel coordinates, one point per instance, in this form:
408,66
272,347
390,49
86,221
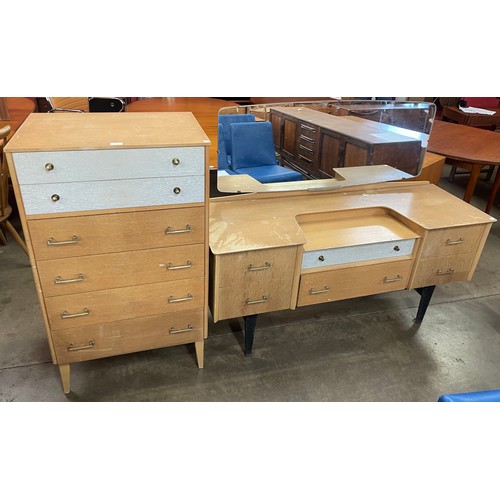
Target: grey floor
366,349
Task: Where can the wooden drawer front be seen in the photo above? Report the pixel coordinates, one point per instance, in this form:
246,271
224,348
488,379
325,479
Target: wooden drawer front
253,298
95,234
256,266
69,311
443,270
101,195
99,165
119,337
113,270
359,253
452,241
346,283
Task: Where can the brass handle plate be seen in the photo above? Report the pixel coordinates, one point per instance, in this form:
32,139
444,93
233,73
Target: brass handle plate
442,273
172,299
169,230
317,292
257,301
267,265
60,281
305,159
455,242
66,315
308,139
72,241
90,345
309,150
173,330
170,267
312,129
392,280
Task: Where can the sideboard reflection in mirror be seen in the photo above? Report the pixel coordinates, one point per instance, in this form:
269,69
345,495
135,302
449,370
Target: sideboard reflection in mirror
320,145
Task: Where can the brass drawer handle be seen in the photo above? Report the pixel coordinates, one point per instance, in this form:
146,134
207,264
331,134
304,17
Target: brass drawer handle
170,267
309,150
60,281
49,167
267,265
455,242
180,330
308,128
176,161
72,241
308,139
249,302
317,292
169,230
305,159
90,345
442,273
172,299
66,315
392,280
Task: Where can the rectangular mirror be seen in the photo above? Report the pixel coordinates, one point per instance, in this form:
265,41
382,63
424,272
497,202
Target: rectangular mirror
320,145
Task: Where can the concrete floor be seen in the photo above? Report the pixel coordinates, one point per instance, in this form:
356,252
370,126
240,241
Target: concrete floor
365,349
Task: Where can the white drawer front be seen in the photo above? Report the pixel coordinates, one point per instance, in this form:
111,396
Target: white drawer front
359,253
80,196
74,166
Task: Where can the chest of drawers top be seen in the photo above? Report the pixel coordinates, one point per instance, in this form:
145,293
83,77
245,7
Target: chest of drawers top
84,131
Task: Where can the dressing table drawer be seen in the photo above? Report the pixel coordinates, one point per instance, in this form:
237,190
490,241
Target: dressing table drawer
349,282
441,270
452,241
132,335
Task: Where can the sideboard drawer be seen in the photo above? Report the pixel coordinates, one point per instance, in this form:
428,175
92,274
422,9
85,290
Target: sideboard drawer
113,270
452,241
253,298
70,311
256,265
443,269
132,335
106,233
338,284
99,165
101,195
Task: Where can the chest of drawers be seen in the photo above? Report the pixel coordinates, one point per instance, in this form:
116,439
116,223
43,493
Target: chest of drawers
114,211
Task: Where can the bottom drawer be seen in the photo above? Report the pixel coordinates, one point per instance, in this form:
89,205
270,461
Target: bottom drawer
352,282
132,335
443,270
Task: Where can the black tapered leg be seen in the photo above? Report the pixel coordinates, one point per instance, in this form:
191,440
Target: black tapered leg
250,324
425,297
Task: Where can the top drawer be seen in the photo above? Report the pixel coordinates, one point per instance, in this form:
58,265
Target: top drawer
452,241
74,166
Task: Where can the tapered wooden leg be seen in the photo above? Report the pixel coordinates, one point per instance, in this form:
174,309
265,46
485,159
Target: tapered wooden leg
199,347
64,370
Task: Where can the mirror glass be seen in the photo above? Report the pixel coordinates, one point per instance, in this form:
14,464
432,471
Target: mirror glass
320,145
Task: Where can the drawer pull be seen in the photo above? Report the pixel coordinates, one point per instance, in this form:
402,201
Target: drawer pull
55,197
177,190
49,167
172,299
60,281
65,314
309,150
308,139
169,230
442,273
455,242
305,159
249,302
392,280
72,241
317,292
267,265
312,129
170,267
176,161
180,330
90,345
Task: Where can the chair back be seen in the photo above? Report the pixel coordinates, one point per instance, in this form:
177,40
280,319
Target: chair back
224,147
252,145
78,104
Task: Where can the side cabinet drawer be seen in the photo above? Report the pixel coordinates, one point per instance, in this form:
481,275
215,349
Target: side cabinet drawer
443,270
452,241
95,234
347,283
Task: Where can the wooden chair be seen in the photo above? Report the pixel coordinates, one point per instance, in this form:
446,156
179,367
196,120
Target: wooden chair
86,104
5,208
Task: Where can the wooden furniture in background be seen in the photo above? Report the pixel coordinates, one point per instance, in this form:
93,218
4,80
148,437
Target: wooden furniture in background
115,210
466,147
455,115
277,251
432,167
204,109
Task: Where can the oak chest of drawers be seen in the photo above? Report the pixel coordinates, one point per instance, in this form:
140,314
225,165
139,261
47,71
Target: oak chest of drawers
114,211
